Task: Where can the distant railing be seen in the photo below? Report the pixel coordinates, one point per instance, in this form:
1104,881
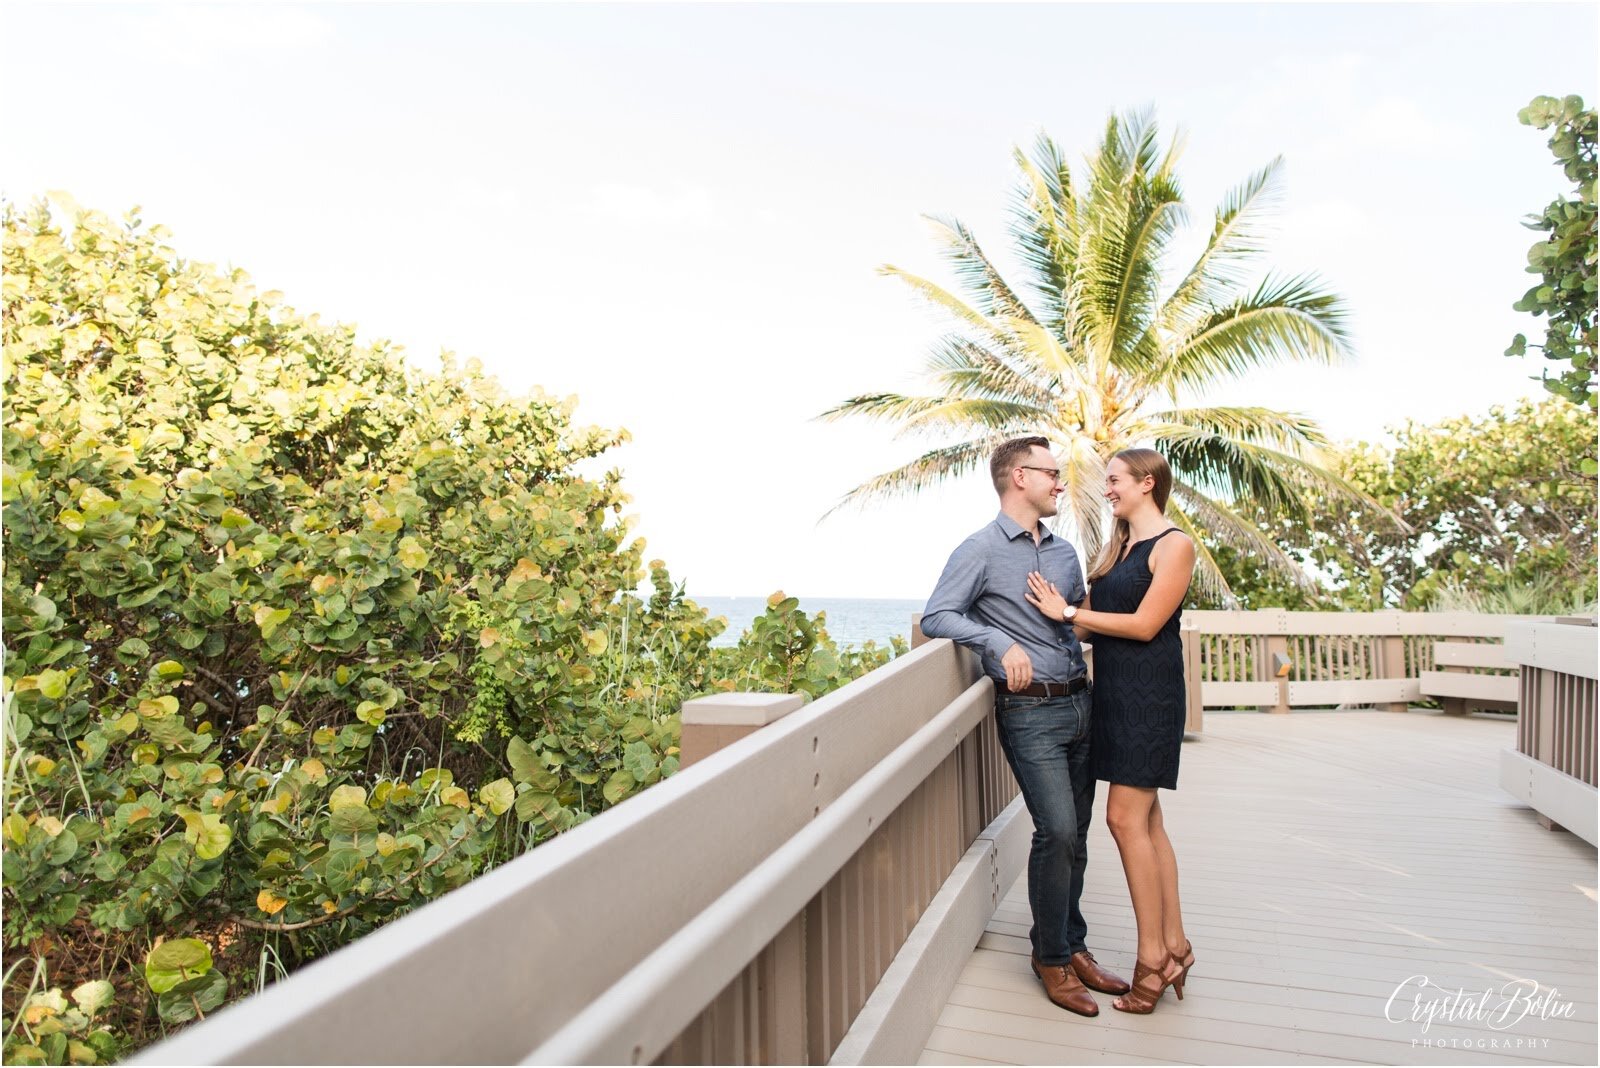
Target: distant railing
742,911
1277,660
1553,766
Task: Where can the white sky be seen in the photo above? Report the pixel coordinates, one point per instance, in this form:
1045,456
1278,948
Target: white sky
676,212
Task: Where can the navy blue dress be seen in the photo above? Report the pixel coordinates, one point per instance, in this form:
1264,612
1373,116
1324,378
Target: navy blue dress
1139,706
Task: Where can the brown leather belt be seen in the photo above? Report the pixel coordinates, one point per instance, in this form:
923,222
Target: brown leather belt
1043,689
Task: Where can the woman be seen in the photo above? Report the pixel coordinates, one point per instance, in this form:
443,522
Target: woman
1132,610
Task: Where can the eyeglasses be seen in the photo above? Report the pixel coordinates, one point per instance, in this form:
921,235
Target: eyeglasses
1053,472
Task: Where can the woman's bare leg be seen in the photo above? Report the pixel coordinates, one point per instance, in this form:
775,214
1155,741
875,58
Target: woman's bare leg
1128,814
1167,862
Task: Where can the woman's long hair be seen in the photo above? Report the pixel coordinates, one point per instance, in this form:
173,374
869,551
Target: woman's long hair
1140,463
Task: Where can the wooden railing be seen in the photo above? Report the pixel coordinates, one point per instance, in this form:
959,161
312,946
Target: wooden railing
776,902
1277,660
1553,766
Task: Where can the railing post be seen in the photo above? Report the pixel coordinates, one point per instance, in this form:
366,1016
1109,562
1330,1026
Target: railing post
1453,706
718,720
1277,646
1394,665
1194,705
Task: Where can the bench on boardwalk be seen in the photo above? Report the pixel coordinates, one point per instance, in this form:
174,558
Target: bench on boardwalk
1463,678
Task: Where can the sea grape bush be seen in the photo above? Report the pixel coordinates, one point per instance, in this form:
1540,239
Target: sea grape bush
296,635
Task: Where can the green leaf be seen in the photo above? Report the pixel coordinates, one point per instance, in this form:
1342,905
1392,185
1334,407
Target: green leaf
498,795
169,669
62,848
352,819
412,555
639,760
107,865
206,832
618,786
93,996
347,797
53,684
342,868
270,619
524,764
435,776
535,805
174,961
159,708
186,1000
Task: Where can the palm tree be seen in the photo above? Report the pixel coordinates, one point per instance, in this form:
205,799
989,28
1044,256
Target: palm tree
1096,358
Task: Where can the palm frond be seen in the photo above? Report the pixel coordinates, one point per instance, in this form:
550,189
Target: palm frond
1043,349
1136,208
1238,235
1044,224
1284,430
1224,465
1227,527
927,470
1001,418
888,407
942,298
1282,320
1207,573
1277,468
978,276
966,369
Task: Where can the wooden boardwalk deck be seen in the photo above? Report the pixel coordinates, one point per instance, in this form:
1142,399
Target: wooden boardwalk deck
1325,859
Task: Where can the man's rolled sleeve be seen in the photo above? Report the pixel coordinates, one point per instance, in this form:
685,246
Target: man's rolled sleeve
953,597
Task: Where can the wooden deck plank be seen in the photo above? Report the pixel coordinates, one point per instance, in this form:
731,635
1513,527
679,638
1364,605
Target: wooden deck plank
1346,961
939,1057
1354,1007
1239,932
1324,859
1006,1049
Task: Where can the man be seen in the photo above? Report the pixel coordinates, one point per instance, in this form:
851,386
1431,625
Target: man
1041,701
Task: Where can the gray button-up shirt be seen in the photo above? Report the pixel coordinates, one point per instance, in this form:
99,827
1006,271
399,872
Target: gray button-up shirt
981,600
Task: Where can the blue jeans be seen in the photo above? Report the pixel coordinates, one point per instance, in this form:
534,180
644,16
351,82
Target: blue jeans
1046,742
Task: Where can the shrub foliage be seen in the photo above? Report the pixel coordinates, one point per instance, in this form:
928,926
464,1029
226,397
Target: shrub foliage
297,636
1565,260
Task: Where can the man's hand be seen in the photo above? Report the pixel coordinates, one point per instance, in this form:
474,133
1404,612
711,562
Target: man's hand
1019,668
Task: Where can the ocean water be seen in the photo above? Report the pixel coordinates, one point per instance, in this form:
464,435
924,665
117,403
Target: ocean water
851,620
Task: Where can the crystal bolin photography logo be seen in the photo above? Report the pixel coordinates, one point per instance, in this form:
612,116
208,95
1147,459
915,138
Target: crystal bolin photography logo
1418,999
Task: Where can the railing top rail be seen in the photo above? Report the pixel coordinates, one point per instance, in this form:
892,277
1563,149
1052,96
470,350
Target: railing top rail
639,1016
1275,621
537,939
1555,646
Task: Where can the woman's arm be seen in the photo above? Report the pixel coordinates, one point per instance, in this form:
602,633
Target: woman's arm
1171,568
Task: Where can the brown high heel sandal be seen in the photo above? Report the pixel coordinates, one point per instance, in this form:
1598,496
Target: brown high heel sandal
1186,962
1140,1000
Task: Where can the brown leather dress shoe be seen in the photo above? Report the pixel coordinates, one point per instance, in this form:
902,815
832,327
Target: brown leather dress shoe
1095,977
1064,988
